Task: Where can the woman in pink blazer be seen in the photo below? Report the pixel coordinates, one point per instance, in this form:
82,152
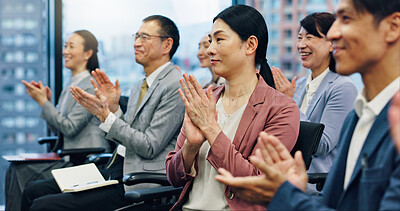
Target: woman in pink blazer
221,125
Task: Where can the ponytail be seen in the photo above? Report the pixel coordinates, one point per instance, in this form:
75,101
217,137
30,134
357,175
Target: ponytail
265,72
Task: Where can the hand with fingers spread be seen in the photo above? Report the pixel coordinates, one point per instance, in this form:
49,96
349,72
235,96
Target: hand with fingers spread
37,91
96,104
107,88
282,84
200,107
277,165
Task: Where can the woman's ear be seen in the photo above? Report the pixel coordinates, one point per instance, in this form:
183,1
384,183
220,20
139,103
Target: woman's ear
252,44
88,54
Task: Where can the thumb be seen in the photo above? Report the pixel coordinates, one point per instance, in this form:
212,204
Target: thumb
298,159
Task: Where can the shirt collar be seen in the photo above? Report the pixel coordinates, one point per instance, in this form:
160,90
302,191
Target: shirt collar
378,103
150,79
313,84
79,77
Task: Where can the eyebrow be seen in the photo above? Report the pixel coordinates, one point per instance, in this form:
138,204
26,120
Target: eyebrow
341,11
215,33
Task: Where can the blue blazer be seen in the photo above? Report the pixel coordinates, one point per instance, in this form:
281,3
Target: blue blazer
374,188
333,100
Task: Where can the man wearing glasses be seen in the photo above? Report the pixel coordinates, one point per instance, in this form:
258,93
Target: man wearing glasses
146,133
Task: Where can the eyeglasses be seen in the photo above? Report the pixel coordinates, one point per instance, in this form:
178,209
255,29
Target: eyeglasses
145,37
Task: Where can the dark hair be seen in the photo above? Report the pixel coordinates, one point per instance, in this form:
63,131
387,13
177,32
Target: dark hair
319,23
90,43
380,9
247,21
167,28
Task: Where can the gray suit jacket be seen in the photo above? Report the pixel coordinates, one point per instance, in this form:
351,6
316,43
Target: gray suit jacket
78,126
332,101
150,132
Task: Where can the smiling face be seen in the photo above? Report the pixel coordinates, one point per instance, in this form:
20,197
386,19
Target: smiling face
227,51
357,42
314,51
202,53
150,50
75,58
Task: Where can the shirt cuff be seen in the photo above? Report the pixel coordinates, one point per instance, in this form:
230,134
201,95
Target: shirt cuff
118,113
106,125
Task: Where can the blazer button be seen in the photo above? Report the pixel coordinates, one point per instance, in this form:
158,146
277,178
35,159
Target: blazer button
230,195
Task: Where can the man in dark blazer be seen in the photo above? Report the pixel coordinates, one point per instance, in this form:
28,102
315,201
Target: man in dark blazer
366,172
146,133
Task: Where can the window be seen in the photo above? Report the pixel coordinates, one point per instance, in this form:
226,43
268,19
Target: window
288,18
116,54
288,34
23,56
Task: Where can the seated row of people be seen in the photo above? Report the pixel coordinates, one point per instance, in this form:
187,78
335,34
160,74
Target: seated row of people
221,125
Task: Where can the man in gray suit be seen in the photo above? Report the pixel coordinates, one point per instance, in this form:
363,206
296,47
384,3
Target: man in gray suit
146,134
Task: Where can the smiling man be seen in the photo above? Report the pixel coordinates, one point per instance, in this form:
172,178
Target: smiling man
146,133
366,172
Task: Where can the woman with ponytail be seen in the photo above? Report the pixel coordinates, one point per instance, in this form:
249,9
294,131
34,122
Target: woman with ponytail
222,124
73,124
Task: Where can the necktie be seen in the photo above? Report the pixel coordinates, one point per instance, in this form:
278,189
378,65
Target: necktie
143,91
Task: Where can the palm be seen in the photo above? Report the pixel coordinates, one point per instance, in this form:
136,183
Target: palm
193,133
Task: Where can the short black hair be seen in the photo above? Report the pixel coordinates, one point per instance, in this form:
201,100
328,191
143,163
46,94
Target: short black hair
380,9
319,23
167,28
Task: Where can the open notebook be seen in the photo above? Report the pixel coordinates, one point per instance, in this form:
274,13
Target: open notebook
80,178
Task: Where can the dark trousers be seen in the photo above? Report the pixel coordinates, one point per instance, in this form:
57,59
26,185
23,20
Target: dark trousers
46,195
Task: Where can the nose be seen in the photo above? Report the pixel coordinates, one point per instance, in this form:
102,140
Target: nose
334,33
301,43
137,43
211,50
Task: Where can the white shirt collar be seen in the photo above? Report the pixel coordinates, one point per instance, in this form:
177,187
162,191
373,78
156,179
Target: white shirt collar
79,77
313,84
378,103
150,79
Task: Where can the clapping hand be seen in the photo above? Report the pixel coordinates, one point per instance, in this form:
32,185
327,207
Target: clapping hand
38,91
277,165
107,88
282,84
200,107
96,104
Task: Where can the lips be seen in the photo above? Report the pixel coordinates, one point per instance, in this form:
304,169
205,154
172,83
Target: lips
304,55
214,61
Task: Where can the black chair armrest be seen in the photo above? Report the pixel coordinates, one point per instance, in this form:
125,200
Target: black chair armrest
83,151
48,139
318,179
101,158
151,193
145,177
79,156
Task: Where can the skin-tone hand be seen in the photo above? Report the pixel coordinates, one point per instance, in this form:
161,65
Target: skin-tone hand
200,107
195,139
282,84
394,119
37,91
48,91
107,88
273,159
96,104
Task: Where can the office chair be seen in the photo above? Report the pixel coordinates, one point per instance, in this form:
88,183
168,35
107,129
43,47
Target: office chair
164,197
80,156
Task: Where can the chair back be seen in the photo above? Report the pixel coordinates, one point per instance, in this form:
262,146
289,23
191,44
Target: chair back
308,140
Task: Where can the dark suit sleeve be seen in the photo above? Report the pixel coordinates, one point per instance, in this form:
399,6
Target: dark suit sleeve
288,197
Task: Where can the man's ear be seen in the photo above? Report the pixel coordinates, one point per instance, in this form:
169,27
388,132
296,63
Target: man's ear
167,45
251,45
393,29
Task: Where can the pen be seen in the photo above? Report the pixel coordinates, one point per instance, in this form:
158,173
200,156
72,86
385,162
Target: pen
364,161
